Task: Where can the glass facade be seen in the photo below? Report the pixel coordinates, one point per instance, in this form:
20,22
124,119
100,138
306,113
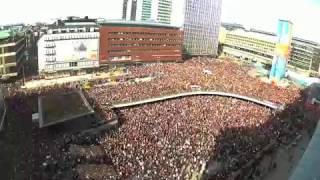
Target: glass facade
201,26
146,10
164,11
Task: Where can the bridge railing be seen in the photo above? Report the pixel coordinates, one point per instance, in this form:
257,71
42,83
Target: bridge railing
194,93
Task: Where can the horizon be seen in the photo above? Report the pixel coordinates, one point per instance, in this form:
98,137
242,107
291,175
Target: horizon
265,13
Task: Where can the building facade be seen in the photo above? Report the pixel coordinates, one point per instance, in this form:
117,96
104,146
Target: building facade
249,46
128,42
12,53
259,46
305,56
147,10
201,26
69,47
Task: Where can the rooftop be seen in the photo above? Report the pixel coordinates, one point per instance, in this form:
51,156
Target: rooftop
305,41
54,109
8,36
73,21
255,35
137,24
232,26
5,34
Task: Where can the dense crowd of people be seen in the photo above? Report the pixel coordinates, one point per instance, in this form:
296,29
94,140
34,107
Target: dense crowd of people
175,138
225,76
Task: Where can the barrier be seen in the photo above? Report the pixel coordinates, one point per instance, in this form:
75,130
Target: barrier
196,93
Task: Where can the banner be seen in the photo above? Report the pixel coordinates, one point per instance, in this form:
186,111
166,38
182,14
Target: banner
282,51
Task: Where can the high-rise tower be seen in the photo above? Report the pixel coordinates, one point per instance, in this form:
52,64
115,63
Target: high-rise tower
201,26
148,10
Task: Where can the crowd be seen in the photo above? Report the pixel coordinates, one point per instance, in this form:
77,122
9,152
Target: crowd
225,76
174,139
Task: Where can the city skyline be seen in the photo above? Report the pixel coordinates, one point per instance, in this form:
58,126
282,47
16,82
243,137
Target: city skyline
265,13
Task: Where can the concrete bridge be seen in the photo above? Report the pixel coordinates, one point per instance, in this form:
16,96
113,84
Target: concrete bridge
196,93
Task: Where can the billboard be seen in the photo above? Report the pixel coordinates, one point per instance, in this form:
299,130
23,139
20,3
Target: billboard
282,51
77,49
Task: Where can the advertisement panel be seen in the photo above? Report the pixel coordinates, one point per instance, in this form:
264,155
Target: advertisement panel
282,51
77,49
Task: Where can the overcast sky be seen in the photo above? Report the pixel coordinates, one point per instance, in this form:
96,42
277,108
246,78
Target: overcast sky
259,14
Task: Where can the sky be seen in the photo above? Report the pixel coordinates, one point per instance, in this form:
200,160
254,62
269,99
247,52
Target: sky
258,14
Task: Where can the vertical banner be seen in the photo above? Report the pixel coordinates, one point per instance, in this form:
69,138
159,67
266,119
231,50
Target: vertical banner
282,51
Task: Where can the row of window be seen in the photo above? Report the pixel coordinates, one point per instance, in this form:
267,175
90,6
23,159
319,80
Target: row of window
232,38
8,70
8,49
302,54
120,58
141,50
253,47
50,59
71,36
299,65
143,33
302,47
295,58
77,30
146,45
50,45
249,44
251,51
144,39
67,65
50,52
7,60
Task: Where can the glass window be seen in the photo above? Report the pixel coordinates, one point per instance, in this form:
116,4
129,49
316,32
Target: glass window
9,59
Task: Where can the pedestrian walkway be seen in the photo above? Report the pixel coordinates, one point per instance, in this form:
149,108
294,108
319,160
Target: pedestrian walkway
51,82
196,93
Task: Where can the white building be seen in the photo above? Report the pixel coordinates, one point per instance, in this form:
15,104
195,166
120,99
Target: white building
69,47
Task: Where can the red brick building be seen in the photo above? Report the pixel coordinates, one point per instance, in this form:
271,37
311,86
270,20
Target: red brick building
127,42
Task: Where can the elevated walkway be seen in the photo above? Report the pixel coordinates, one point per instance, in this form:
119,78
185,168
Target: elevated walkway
196,93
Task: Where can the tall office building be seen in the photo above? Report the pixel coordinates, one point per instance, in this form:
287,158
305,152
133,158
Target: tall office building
201,26
124,9
147,10
164,11
129,11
